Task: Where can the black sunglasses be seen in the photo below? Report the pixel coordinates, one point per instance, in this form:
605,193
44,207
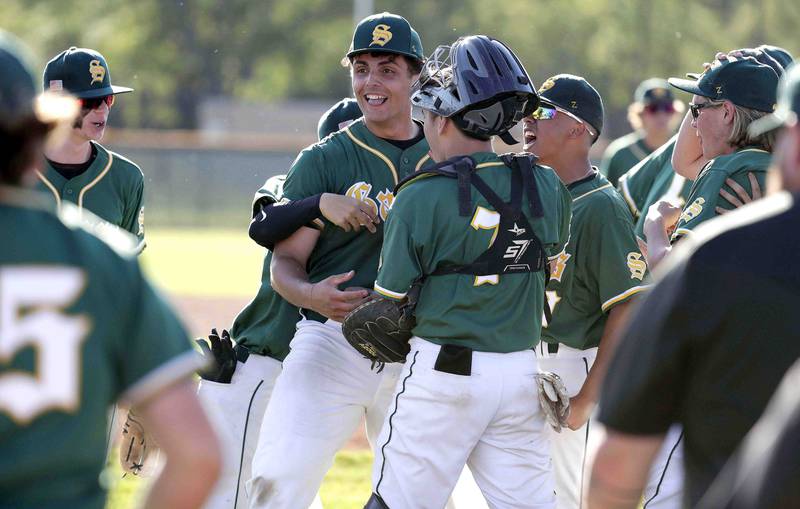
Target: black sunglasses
695,108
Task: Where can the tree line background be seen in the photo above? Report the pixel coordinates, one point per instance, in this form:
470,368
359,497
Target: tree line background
176,53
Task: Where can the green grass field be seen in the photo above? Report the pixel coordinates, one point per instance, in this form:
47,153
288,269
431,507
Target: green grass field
346,486
203,263
226,263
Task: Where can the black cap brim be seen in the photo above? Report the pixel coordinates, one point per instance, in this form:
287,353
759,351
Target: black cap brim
687,86
102,92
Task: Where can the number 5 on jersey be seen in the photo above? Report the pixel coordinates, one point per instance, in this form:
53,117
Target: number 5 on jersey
32,300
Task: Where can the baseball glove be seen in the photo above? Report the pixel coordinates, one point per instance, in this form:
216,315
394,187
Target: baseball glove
379,329
553,399
135,446
220,358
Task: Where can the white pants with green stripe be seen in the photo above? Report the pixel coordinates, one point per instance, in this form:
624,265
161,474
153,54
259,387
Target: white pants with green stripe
489,420
325,390
236,409
571,449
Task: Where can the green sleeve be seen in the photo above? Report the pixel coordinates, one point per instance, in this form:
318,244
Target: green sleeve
133,220
270,192
400,264
565,219
615,264
308,176
635,185
156,349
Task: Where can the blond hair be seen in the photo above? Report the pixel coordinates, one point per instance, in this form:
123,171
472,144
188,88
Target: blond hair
740,135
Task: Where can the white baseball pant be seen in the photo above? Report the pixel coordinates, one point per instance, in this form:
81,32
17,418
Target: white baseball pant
571,449
489,420
319,399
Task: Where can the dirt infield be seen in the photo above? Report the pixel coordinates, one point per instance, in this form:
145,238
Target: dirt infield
200,314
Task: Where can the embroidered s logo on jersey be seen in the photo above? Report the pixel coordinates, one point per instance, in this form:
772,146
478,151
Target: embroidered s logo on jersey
692,210
636,265
558,265
361,190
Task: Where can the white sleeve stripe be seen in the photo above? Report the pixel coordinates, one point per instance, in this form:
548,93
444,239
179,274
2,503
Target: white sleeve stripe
624,295
389,293
152,383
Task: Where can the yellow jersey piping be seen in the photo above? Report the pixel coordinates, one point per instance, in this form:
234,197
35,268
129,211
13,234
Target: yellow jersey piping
95,181
51,187
592,191
378,153
624,295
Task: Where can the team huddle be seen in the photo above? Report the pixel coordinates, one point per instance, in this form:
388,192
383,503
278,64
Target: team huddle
491,317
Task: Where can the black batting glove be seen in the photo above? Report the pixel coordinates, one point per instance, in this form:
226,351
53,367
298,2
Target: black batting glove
220,356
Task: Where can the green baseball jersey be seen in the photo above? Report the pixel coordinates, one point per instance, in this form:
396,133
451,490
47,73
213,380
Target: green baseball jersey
636,184
81,328
704,196
600,267
267,324
651,180
622,155
425,232
352,162
112,188
667,185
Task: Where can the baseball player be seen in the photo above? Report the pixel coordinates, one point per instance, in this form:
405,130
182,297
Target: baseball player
654,115
727,98
326,387
80,329
704,349
653,179
237,396
592,281
81,170
467,393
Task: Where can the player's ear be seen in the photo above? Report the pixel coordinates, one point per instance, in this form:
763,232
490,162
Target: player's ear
730,112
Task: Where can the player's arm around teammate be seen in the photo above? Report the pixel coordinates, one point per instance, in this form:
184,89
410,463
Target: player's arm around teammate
326,388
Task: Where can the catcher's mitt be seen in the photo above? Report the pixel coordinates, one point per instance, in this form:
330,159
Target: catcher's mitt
380,329
135,446
553,399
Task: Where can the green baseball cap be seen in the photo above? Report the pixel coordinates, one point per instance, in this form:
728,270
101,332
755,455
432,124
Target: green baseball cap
653,91
576,95
345,111
386,33
788,104
20,100
82,72
745,82
781,55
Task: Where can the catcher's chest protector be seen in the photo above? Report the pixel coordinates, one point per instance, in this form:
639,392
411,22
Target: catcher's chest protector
516,249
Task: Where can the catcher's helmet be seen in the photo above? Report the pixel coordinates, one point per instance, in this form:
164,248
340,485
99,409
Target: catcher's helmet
479,83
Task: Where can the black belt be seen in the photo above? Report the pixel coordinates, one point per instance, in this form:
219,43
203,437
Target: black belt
552,347
241,352
454,359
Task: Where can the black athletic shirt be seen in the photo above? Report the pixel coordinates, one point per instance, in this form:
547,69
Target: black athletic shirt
69,171
711,342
